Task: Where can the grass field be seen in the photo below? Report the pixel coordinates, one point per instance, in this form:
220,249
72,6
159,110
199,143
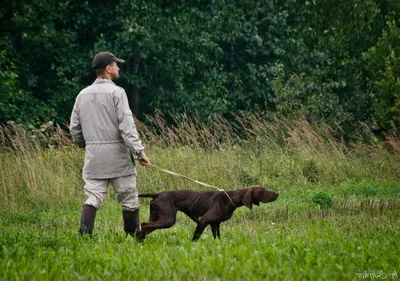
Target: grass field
337,217
302,242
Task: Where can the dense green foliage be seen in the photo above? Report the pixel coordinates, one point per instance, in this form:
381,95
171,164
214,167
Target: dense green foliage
335,61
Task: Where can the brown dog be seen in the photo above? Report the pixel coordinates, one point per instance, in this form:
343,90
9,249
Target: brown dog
204,208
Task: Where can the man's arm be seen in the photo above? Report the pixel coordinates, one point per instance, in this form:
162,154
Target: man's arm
75,127
127,128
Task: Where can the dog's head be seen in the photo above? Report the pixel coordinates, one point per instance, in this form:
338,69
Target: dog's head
257,194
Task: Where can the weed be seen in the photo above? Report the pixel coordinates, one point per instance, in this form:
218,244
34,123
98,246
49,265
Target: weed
311,171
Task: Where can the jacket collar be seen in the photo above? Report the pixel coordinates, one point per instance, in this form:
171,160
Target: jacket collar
102,81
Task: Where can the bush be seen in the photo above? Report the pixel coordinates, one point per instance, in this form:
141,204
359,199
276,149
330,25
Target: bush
323,199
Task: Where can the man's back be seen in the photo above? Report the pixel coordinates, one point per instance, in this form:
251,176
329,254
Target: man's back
102,121
97,111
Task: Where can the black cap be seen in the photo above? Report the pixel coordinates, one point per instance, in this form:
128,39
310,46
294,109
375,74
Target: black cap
103,59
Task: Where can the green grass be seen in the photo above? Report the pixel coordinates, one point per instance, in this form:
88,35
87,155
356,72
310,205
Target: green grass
268,243
336,217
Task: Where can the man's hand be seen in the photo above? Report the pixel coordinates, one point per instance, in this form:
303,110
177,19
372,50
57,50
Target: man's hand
143,160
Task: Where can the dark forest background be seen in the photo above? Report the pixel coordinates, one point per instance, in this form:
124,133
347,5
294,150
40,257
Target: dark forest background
331,61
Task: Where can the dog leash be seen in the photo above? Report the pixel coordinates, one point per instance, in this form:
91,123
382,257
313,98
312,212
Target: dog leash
193,180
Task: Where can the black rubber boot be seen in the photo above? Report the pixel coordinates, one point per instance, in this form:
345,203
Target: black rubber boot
87,219
131,222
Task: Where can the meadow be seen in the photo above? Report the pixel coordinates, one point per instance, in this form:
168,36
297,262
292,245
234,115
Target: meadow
336,217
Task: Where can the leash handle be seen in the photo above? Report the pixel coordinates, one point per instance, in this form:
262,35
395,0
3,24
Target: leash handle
193,180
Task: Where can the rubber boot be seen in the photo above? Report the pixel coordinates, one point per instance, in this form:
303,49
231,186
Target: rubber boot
87,219
131,222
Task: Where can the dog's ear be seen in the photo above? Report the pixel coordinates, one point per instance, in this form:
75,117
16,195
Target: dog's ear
248,199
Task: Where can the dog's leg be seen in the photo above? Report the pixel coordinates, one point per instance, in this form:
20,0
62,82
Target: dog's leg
215,230
141,235
148,227
199,230
154,212
159,218
212,218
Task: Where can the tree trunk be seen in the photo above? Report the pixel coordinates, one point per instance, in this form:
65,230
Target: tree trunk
135,100
135,91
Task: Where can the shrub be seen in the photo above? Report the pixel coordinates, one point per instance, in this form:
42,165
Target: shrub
323,199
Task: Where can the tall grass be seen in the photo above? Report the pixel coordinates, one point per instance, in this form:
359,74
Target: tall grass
43,166
38,167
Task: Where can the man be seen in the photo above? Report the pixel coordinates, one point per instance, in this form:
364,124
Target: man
102,122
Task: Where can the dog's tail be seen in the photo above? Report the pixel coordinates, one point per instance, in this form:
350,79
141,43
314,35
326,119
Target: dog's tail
152,195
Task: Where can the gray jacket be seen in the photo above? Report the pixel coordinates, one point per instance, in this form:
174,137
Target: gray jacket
102,122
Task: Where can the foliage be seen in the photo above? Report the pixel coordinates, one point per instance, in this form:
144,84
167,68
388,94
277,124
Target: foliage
8,81
322,199
383,62
330,61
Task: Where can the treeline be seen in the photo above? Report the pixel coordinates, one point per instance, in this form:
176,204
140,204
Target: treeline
335,61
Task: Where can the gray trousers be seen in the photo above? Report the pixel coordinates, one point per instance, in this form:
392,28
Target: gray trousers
125,188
